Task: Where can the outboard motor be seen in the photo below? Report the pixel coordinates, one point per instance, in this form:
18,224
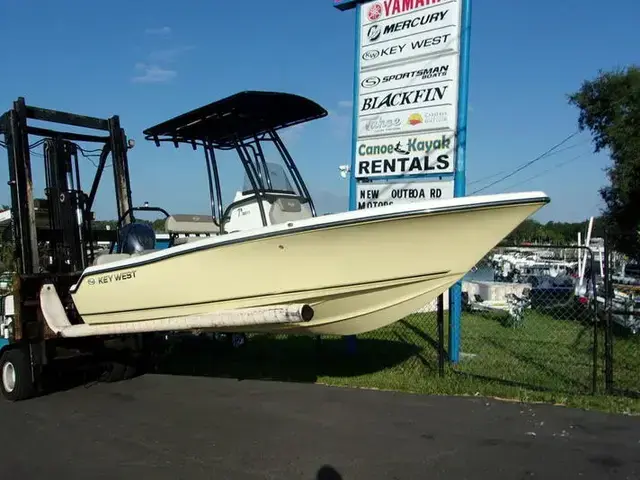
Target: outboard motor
136,238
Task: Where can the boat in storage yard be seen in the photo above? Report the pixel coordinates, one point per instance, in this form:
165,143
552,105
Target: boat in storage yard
358,270
264,262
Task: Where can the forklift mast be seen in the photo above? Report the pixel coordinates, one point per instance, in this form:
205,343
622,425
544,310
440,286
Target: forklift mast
67,226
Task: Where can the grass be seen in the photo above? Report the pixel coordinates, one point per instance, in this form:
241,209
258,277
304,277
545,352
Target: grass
546,359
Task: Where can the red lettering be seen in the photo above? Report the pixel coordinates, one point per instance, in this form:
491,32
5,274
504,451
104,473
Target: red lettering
387,7
393,7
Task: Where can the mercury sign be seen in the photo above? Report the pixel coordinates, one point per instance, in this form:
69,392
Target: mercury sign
381,194
381,31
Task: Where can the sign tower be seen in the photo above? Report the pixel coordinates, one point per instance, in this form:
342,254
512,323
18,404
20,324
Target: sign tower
410,108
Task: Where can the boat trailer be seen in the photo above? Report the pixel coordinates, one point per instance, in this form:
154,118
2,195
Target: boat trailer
514,305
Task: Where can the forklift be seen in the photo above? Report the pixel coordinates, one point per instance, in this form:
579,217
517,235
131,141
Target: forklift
52,239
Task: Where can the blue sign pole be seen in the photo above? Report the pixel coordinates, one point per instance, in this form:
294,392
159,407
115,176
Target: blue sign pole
354,119
460,179
351,340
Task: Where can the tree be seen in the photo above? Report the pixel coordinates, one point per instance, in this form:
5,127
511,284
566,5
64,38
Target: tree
609,108
552,233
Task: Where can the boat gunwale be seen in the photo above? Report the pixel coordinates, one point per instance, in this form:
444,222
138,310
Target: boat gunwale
318,223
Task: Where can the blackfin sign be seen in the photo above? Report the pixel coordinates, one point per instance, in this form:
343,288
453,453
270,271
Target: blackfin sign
407,98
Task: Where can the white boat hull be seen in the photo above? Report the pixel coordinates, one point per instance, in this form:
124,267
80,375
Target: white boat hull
358,270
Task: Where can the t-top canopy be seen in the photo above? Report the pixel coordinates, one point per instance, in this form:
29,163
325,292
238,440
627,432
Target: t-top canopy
238,117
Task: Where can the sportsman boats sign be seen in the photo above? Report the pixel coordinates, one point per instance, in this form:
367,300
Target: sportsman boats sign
422,73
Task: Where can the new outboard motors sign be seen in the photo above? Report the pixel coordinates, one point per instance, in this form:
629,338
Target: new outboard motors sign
382,194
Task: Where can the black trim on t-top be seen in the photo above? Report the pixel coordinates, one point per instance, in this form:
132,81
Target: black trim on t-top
145,260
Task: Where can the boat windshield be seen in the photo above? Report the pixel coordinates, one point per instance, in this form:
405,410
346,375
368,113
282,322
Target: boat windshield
275,179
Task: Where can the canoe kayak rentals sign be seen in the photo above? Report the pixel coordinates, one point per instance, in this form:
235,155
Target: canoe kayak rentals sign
370,195
426,154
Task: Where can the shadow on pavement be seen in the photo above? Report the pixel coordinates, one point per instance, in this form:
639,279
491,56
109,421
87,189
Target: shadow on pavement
68,374
298,359
327,472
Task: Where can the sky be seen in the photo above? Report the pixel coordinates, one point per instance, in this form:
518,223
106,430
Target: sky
147,61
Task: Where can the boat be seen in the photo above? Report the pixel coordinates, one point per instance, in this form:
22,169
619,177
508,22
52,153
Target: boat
356,271
518,263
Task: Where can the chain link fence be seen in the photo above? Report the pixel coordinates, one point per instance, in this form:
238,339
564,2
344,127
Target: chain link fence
619,299
528,321
533,318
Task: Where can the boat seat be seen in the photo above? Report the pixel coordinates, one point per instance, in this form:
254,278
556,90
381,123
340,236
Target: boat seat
110,257
193,227
104,258
286,209
188,239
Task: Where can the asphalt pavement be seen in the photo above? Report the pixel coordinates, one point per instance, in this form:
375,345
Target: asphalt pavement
171,427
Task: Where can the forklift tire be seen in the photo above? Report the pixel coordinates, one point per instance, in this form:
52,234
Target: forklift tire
15,374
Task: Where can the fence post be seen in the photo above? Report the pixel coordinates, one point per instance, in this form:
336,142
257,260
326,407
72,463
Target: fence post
594,380
608,337
441,351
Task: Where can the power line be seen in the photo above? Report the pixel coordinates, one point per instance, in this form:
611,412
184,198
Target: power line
529,163
547,154
488,177
544,155
544,172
